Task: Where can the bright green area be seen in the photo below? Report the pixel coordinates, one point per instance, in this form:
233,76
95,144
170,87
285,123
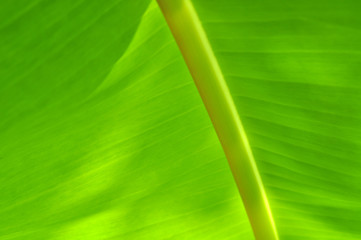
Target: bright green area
103,133
293,68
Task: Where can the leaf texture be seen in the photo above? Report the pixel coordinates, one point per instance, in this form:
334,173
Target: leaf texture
103,134
293,71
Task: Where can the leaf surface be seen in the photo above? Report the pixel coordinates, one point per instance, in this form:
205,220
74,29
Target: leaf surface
293,71
103,134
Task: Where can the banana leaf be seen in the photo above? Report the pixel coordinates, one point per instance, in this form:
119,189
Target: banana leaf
103,134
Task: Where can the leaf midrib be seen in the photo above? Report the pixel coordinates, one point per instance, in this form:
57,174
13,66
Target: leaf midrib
193,43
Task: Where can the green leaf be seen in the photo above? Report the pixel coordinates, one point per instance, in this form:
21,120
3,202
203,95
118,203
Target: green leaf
103,134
